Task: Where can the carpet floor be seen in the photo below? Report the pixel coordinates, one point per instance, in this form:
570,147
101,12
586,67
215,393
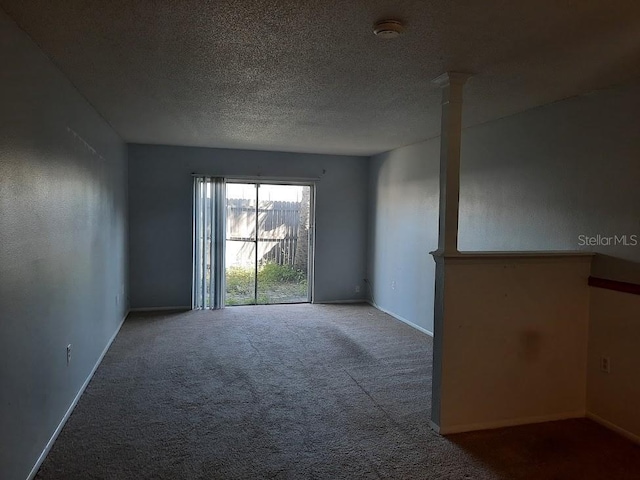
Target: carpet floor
297,392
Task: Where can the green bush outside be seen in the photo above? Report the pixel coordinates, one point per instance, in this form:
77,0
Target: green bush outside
239,279
271,273
276,284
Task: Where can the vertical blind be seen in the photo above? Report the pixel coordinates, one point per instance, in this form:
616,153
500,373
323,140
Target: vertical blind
208,242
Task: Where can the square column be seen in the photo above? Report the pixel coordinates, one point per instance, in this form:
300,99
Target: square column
452,84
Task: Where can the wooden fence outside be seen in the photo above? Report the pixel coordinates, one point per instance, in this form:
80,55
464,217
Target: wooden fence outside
282,229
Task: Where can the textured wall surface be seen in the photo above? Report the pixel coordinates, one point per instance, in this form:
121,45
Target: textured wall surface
614,330
160,209
545,180
62,246
541,179
533,181
515,341
403,229
538,180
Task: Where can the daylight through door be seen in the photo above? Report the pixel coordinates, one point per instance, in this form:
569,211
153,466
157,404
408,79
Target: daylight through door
253,243
268,243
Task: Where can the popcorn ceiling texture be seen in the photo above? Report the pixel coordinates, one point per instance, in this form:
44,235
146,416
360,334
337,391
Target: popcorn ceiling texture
311,77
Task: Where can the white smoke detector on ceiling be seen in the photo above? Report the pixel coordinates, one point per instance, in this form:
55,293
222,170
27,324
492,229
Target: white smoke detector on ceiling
388,28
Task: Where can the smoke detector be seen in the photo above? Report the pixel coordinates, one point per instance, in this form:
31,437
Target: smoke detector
388,28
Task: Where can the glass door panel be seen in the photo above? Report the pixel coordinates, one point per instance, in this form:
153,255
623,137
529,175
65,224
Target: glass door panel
240,273
283,243
268,243
240,254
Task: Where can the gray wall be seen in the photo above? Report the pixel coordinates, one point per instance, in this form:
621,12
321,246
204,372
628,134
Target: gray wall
540,179
403,229
160,205
533,181
62,246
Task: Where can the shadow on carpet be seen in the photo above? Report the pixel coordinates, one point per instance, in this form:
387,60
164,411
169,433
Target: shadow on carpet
286,392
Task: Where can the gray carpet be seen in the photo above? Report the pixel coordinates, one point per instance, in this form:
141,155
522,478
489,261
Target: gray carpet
296,391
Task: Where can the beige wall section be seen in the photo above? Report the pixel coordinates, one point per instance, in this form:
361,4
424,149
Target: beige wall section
541,179
614,398
515,339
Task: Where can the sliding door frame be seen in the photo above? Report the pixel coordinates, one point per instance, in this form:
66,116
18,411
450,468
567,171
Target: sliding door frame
311,253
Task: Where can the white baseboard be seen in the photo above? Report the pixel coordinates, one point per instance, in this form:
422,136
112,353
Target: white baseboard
158,309
66,416
511,422
612,426
340,302
398,317
434,426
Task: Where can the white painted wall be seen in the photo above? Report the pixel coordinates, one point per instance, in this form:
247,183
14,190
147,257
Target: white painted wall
403,229
514,340
614,332
160,213
62,246
532,181
540,179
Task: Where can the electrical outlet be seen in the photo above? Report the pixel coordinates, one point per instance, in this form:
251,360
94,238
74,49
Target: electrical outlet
393,285
605,364
68,354
357,288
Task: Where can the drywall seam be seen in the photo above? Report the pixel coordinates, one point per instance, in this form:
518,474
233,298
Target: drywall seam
612,426
66,416
402,319
511,422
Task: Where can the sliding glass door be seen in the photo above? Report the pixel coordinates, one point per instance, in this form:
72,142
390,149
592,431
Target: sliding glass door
241,243
253,243
268,243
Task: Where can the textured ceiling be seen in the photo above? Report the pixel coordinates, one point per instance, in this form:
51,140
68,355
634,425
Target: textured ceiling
309,76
